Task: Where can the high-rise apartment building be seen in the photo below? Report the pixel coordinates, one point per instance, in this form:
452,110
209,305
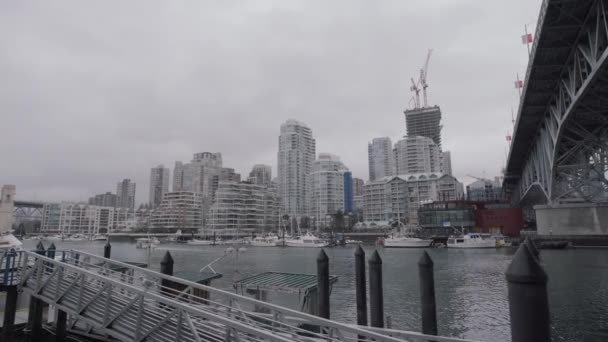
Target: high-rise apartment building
202,176
416,155
358,186
125,194
104,200
296,154
424,122
380,158
261,174
446,162
159,184
326,193
349,193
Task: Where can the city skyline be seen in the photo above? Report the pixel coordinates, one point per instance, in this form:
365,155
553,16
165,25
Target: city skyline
105,127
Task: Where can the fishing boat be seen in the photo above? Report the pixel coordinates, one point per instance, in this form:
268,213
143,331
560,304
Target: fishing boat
471,240
265,241
306,240
407,242
146,242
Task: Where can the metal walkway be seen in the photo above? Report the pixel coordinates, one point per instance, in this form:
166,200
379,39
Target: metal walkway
109,298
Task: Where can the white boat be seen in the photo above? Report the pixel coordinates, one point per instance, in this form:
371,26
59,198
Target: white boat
198,242
53,238
8,242
175,237
77,237
353,242
99,237
306,240
265,241
471,240
407,242
146,242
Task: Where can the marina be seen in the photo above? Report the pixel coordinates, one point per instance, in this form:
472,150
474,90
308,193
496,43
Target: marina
470,284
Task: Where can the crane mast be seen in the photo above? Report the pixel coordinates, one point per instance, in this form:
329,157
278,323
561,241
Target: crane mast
421,85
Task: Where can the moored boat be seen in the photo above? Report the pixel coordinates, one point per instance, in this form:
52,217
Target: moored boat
198,242
146,242
407,242
471,240
265,241
306,240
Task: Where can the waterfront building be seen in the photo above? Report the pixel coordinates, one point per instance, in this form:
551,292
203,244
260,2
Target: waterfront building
296,154
244,206
7,205
125,194
181,210
261,174
485,190
104,200
385,200
424,122
159,184
416,154
380,158
68,218
349,196
381,195
326,192
446,217
446,162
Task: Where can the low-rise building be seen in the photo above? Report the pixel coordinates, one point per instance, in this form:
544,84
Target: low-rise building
399,197
485,190
245,206
181,210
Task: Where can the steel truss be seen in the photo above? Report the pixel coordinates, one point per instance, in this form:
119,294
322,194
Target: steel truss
568,159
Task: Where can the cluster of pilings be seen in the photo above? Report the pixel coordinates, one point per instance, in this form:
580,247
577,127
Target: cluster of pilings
527,293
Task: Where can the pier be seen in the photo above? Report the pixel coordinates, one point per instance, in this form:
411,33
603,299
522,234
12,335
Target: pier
97,297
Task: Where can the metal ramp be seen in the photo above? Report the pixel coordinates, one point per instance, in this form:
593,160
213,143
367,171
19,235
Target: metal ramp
109,298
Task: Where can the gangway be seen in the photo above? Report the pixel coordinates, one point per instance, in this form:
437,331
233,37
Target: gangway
109,298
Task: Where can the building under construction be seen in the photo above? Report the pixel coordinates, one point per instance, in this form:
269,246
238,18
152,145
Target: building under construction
424,122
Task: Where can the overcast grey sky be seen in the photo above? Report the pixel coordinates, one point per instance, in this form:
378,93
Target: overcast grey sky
95,91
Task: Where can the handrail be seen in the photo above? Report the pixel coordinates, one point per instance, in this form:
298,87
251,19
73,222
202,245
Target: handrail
162,299
309,318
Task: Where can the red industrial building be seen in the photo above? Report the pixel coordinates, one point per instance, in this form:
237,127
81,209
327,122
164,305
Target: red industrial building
479,216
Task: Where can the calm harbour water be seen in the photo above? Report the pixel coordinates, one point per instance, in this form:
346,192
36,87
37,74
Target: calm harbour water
471,290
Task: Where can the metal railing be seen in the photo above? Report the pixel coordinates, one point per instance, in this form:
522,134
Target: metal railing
130,303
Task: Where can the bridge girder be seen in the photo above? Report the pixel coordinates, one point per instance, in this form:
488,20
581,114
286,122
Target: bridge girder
567,155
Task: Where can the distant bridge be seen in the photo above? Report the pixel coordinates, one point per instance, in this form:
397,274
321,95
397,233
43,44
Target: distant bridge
559,152
27,211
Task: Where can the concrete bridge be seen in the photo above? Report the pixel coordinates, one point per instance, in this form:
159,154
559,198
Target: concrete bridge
558,161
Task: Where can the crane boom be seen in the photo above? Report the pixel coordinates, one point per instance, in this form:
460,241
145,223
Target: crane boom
423,75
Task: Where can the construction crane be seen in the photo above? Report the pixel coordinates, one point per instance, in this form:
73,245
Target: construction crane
423,74
421,84
415,88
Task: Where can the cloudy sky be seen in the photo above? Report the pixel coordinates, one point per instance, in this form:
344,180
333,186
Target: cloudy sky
95,91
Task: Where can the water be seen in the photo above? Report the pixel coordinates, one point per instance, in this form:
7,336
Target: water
471,290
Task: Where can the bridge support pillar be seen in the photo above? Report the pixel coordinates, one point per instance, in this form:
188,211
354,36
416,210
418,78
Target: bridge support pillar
572,219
